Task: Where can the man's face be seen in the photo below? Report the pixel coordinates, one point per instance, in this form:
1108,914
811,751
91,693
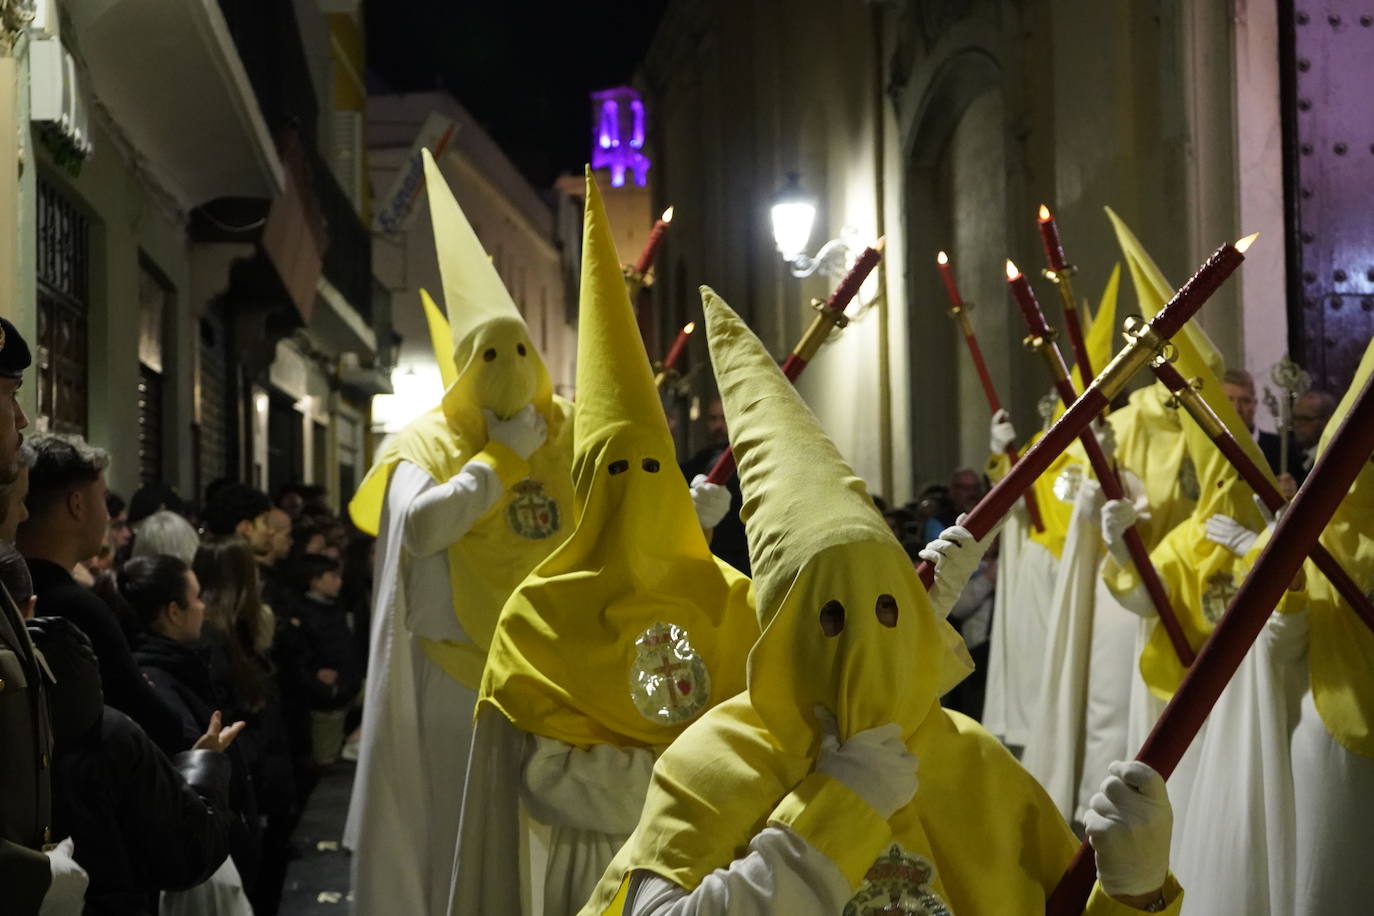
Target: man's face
12,420
1243,399
965,489
95,517
119,532
1309,420
280,523
257,532
716,431
15,510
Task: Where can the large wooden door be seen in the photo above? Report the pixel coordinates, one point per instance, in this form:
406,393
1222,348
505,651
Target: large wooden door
1328,71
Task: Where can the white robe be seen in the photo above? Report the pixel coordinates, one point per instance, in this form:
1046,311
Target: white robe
1233,843
1334,834
1054,751
542,819
1026,573
417,721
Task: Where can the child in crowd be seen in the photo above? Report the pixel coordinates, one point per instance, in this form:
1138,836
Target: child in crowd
333,674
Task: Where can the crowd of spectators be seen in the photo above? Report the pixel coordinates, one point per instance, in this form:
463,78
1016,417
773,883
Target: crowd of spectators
208,661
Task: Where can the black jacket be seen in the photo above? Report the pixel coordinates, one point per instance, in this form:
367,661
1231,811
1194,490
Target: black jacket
59,595
141,823
329,642
181,676
25,744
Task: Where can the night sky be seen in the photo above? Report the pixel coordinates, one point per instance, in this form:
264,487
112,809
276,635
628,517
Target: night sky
523,69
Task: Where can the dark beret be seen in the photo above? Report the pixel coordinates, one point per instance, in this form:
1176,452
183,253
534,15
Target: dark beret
14,352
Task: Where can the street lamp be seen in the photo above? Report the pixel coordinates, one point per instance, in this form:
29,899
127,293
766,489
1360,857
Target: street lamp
794,213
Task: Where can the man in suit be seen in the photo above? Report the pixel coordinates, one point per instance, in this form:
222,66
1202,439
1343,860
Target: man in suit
34,874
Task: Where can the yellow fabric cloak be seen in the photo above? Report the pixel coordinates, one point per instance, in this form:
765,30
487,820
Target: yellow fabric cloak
846,625
1199,575
631,629
1341,652
492,365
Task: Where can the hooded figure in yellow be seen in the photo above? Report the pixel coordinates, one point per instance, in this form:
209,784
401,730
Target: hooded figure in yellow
1333,744
836,783
612,646
1028,565
466,500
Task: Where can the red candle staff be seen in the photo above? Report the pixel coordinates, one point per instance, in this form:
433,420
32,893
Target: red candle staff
1041,340
669,366
958,310
637,275
1237,630
1144,342
1060,272
1190,397
830,315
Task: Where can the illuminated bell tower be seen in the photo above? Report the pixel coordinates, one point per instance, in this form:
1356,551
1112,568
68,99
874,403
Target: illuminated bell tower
618,135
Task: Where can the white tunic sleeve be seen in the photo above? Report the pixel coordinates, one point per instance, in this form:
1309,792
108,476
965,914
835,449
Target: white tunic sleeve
600,789
441,513
780,874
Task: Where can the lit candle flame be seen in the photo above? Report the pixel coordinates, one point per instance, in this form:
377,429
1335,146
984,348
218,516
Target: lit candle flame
1012,271
689,327
667,216
879,245
1246,242
1045,216
941,258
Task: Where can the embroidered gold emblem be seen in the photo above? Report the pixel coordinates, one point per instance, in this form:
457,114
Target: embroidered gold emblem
1220,589
898,884
1187,478
669,683
532,513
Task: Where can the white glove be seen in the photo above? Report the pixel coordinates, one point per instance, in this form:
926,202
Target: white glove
874,764
1117,516
1002,432
522,433
956,556
1231,534
1128,823
67,892
710,500
1106,438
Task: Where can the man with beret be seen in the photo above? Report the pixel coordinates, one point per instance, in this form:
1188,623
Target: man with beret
36,876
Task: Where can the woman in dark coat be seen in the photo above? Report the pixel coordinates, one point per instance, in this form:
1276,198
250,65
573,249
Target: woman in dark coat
164,596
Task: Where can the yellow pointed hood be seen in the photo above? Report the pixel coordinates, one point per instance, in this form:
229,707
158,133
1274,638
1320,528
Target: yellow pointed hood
489,363
497,367
632,629
822,558
440,338
1102,336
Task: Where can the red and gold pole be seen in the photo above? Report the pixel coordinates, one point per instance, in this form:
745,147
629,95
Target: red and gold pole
1190,397
669,367
1326,486
1060,273
1144,343
958,310
1041,340
830,315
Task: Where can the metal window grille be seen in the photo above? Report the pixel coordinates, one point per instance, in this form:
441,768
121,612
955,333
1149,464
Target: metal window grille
63,268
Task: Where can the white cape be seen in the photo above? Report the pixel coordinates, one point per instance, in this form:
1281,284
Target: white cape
1026,572
1233,845
417,726
1054,750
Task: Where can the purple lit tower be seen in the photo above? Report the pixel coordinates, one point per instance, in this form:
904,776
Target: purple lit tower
618,135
